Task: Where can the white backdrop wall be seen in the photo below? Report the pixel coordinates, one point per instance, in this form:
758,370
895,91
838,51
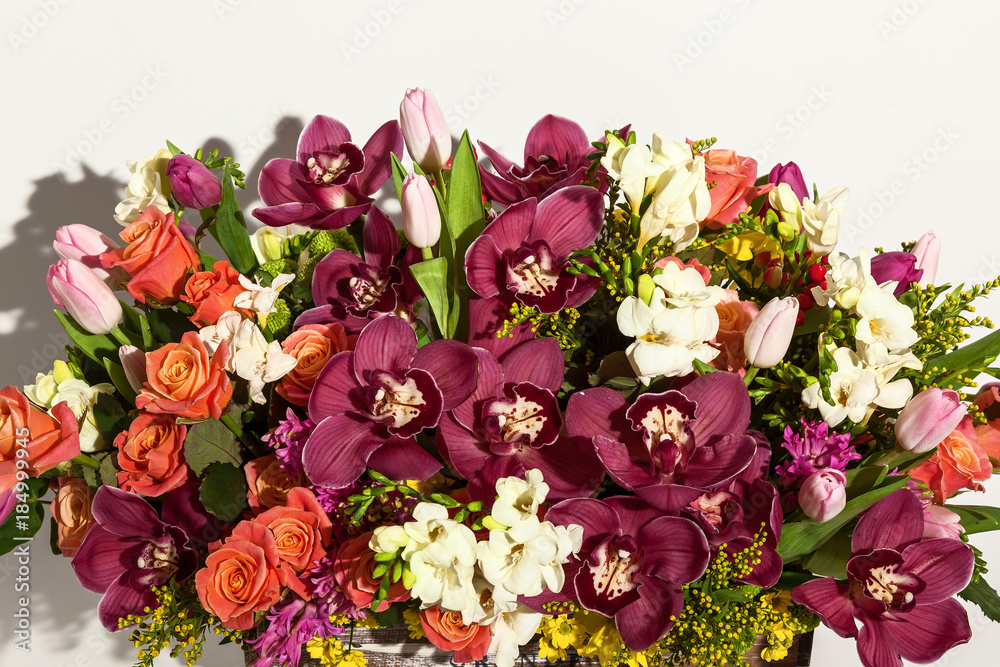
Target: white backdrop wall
897,99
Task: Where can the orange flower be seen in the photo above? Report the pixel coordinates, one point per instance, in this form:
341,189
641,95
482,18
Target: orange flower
445,630
182,381
734,318
353,571
151,455
312,346
71,511
157,256
989,433
960,463
269,485
212,293
46,440
241,578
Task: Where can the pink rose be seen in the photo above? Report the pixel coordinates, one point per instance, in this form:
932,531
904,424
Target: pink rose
733,190
734,318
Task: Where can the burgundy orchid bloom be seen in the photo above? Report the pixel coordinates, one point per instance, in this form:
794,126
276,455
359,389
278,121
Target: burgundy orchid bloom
898,587
555,156
368,404
523,253
696,437
512,423
127,552
330,184
352,291
634,562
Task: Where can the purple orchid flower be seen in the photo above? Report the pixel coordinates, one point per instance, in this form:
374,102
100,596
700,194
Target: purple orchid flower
898,587
369,403
330,183
352,291
696,437
555,156
486,318
633,563
511,423
523,253
127,552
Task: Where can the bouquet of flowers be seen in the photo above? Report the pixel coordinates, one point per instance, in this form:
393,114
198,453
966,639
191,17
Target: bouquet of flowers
623,400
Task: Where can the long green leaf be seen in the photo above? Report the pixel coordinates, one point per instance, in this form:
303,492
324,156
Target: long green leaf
94,346
977,519
465,202
120,380
981,353
230,229
398,175
432,276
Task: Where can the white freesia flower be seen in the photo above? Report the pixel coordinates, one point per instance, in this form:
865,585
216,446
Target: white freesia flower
147,186
512,625
259,299
251,357
518,499
857,388
267,241
884,320
846,279
685,288
61,386
527,558
680,201
820,221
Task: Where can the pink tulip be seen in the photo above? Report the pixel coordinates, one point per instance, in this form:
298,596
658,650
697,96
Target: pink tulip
85,244
134,362
421,219
84,295
941,522
928,419
769,335
823,495
927,251
193,184
425,130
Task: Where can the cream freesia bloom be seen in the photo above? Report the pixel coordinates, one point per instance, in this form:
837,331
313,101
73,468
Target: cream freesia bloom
147,186
251,357
60,386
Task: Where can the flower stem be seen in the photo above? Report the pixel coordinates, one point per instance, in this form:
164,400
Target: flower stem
86,462
120,336
439,181
427,253
229,423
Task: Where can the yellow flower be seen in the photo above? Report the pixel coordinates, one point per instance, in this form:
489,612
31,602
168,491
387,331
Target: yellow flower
412,618
605,643
562,631
779,601
748,245
331,653
549,652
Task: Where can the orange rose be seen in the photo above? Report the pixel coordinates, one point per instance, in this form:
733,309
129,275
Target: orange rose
212,293
989,433
182,381
71,511
959,463
353,571
241,578
151,455
445,630
312,346
734,318
734,189
269,485
31,441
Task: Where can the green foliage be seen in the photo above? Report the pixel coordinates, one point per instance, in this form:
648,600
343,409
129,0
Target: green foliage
230,229
984,596
97,347
210,442
27,516
432,276
977,519
224,491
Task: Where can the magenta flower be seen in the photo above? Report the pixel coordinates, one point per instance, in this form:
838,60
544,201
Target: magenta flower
511,423
523,253
127,552
898,266
696,437
899,588
816,448
330,183
369,403
288,438
555,156
288,626
633,563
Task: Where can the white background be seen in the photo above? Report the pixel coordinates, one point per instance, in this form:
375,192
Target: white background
896,99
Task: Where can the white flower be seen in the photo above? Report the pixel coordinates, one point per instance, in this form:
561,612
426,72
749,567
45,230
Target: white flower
820,221
251,357
885,324
853,389
148,186
891,394
680,201
685,287
259,299
527,558
61,386
518,499
267,241
512,625
846,279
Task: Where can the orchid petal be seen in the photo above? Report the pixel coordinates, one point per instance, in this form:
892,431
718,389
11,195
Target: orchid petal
124,514
101,558
723,406
714,465
321,134
385,141
287,214
481,261
336,390
466,452
895,522
512,228
387,344
569,466
597,518
831,601
401,459
674,549
669,498
500,164
944,564
486,317
280,182
483,483
454,367
558,138
598,412
497,189
569,220
338,450
381,240
874,648
633,512
642,623
928,631
618,462
540,362
339,218
336,267
491,381
120,600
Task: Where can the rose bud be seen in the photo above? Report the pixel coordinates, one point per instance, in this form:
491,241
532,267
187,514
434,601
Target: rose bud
425,131
421,218
823,495
193,184
85,244
84,295
927,251
898,266
941,522
769,335
928,419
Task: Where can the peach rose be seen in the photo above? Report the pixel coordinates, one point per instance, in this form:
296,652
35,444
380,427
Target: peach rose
312,346
959,463
182,381
32,441
151,455
692,263
353,571
71,511
156,255
734,318
989,433
212,293
445,630
734,189
268,482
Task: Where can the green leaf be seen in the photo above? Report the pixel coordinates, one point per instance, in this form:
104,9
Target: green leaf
981,594
979,354
54,537
224,491
230,229
20,526
109,415
210,442
118,376
466,216
94,346
108,471
132,324
398,175
173,149
432,276
977,519
830,560
167,325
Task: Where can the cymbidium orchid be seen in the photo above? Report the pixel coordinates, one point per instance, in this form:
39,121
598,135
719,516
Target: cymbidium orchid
331,182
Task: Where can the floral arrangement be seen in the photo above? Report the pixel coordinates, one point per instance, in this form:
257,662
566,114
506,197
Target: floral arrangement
626,400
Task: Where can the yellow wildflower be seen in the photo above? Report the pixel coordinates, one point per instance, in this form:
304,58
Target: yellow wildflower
562,631
746,246
331,653
412,618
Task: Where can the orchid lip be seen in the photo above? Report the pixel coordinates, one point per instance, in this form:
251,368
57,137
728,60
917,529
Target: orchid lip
533,271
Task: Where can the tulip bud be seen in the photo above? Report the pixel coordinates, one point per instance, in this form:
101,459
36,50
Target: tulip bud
84,295
927,250
61,372
823,494
134,362
769,335
425,130
193,184
267,245
792,175
928,419
421,218
898,266
941,522
85,244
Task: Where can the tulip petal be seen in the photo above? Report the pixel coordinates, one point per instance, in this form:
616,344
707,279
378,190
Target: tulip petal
124,514
928,631
101,558
381,241
874,647
645,621
454,367
121,600
723,406
540,362
481,260
831,601
336,390
338,450
944,564
387,344
403,459
569,219
321,134
280,182
558,138
895,522
386,140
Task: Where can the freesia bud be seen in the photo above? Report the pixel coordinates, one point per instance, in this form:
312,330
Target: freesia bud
769,335
941,522
193,183
928,418
134,362
421,218
85,244
645,288
823,494
425,130
84,295
927,251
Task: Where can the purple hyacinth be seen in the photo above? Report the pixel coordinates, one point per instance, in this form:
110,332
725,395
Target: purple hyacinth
288,438
815,448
